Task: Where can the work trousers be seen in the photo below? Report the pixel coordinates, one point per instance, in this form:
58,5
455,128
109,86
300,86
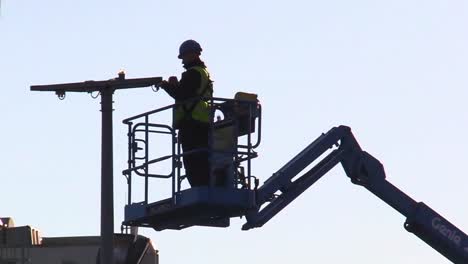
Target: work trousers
193,136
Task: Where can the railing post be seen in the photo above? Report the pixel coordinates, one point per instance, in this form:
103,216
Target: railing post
131,160
178,163
146,158
249,146
210,155
173,171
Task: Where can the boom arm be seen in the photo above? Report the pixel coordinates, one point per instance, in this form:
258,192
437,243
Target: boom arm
364,170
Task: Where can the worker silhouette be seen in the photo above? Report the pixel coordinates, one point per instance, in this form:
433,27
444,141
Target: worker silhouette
192,112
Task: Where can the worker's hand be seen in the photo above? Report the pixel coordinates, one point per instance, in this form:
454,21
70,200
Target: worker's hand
173,81
169,84
165,85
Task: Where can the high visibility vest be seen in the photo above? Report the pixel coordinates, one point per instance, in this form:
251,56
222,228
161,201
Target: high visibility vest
196,109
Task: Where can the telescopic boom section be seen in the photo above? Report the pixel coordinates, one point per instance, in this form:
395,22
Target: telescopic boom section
365,170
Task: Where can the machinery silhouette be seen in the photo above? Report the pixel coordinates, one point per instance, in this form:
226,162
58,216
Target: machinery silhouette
233,140
231,153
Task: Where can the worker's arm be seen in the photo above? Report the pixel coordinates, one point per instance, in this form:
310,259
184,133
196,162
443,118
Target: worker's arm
187,87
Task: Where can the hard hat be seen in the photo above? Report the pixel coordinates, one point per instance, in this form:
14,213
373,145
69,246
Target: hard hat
189,46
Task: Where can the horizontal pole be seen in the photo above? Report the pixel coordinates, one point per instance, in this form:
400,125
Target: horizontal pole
93,86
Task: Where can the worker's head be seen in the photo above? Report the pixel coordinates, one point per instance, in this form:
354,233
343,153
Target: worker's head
189,51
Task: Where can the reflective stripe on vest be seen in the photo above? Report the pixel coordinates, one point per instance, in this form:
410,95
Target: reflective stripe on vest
198,109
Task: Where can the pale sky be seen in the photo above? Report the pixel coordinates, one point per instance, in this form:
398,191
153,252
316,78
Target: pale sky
394,71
